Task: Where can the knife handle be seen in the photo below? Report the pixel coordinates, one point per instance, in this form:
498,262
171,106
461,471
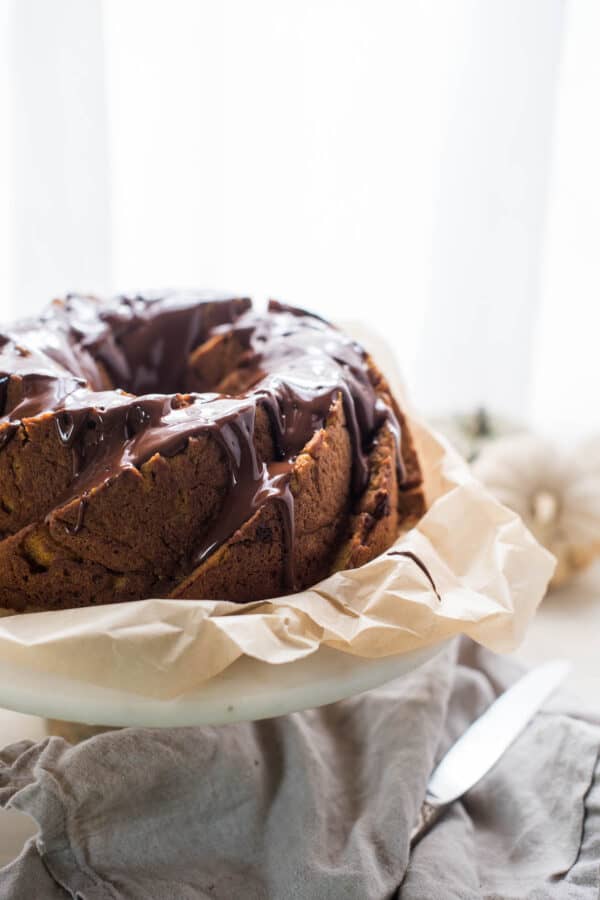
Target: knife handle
428,816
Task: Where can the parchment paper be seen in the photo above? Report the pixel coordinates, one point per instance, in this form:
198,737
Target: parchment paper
488,570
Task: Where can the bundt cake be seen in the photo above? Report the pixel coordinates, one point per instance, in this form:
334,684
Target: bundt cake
183,445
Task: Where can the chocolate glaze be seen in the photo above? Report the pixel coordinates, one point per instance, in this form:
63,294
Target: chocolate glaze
419,562
4,382
145,341
294,365
139,344
304,362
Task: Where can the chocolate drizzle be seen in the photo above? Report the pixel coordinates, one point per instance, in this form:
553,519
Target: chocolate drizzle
95,367
81,508
4,384
418,562
253,482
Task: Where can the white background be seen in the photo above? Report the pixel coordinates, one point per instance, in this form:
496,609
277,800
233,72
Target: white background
429,167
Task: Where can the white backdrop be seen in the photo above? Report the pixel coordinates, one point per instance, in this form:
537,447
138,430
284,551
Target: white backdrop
426,166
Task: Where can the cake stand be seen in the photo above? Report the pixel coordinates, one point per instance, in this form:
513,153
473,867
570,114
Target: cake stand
246,691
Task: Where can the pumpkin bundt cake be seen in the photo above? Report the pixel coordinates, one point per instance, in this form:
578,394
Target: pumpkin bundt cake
183,445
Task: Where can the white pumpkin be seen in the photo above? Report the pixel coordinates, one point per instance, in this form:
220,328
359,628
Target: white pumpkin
555,491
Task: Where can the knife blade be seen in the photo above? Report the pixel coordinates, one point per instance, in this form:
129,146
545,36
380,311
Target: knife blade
485,741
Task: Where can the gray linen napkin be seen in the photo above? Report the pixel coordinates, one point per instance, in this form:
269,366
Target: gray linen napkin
314,805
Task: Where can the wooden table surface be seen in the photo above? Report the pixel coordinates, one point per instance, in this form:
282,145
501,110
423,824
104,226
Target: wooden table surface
567,625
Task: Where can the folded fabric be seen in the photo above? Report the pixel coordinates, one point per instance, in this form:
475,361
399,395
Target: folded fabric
317,804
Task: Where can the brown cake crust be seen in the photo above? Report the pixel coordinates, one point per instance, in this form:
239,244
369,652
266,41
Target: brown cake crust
284,458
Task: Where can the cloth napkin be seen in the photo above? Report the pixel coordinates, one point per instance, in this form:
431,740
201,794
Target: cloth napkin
314,805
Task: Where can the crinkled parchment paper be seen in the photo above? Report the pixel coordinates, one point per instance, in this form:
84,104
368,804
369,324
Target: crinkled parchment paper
488,570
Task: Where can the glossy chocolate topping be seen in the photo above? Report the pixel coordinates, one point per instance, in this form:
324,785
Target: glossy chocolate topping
418,562
116,377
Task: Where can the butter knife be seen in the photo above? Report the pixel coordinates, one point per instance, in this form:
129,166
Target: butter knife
484,742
